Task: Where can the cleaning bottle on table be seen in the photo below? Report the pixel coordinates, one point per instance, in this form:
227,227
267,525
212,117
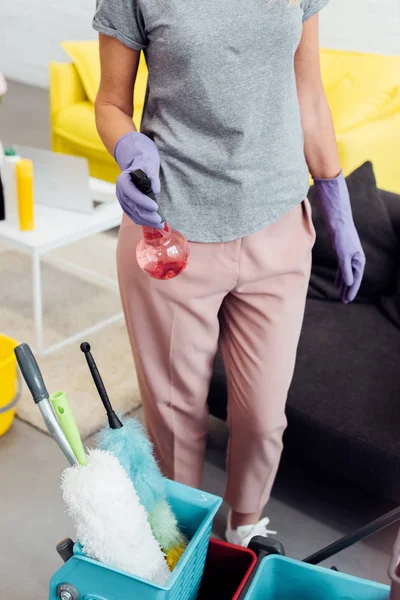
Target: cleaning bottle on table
162,253
9,180
24,175
2,200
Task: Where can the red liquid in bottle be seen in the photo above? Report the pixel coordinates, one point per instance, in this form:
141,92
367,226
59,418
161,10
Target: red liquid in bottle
162,253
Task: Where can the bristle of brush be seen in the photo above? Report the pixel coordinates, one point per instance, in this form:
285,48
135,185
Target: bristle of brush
133,449
173,555
165,527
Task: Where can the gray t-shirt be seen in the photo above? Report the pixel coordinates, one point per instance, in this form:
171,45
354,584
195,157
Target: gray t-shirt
221,105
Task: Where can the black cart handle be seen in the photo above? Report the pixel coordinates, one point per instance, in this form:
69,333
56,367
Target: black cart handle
358,536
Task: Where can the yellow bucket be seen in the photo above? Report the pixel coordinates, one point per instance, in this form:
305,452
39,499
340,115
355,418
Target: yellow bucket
9,387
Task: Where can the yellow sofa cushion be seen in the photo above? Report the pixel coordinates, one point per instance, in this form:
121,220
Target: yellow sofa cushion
360,87
85,56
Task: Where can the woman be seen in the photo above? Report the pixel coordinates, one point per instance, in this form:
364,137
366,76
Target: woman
236,116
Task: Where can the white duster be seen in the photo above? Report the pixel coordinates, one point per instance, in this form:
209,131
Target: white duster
110,522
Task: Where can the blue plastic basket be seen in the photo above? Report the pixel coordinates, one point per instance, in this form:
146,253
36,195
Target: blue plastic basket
195,512
280,578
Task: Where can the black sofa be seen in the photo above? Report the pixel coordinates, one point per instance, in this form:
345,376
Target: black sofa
344,403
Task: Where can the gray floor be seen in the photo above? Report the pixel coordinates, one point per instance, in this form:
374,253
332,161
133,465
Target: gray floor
308,511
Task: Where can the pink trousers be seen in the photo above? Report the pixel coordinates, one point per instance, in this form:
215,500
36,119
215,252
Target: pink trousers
247,295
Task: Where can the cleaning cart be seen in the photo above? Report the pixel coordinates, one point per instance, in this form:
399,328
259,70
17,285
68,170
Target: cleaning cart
226,572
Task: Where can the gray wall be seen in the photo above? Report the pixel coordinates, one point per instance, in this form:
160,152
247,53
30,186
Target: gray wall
365,25
31,31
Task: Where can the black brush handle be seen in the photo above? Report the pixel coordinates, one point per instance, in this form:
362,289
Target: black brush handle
113,420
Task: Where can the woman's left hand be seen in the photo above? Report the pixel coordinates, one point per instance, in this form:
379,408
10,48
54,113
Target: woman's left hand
334,202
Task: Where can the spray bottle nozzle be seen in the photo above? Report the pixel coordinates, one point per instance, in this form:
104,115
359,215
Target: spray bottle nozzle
142,182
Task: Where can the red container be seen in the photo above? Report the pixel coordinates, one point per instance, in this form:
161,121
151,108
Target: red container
226,571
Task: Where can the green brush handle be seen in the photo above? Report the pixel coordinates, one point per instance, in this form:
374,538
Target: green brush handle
66,419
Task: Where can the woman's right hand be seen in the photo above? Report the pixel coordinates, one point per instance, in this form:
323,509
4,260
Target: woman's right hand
136,151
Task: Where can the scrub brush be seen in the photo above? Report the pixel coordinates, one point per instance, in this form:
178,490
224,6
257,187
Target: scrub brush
126,439
111,523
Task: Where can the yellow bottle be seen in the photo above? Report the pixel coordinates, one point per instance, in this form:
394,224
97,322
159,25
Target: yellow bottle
24,176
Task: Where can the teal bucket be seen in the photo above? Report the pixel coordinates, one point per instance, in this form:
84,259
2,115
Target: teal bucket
281,578
89,579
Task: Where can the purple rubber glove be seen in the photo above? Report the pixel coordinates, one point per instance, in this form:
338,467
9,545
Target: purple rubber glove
136,151
334,203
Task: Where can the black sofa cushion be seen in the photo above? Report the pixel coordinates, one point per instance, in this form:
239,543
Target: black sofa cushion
391,304
380,244
344,401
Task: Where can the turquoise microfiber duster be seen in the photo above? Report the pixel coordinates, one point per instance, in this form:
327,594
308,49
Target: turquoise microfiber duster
126,439
134,451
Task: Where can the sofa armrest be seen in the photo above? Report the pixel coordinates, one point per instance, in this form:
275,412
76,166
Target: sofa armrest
66,88
377,142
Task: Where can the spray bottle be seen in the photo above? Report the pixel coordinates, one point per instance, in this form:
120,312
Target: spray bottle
162,253
9,178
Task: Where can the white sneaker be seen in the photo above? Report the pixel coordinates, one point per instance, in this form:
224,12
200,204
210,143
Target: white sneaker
242,535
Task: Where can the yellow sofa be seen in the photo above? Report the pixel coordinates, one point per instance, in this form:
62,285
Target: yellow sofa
363,91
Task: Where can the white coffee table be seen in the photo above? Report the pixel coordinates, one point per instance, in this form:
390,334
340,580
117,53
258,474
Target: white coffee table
54,229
